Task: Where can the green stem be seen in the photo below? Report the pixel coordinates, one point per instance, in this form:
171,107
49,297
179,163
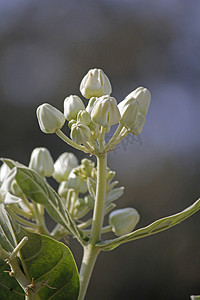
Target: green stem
91,251
111,143
88,262
100,198
70,142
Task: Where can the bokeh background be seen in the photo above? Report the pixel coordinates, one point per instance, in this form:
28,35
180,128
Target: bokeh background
46,47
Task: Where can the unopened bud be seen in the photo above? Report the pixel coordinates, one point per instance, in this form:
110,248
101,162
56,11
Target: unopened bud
91,104
41,161
63,166
128,109
106,112
143,96
50,118
95,84
139,124
72,105
83,117
123,221
80,133
76,182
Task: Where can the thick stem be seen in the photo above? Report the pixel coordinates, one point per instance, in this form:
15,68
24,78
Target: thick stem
91,251
87,266
100,198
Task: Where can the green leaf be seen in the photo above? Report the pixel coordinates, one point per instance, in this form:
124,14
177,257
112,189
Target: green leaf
42,258
37,189
46,259
9,287
115,194
153,228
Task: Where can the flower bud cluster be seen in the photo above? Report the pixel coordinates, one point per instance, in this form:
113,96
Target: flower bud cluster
90,123
133,110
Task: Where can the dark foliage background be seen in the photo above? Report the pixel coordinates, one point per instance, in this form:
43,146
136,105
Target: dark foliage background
46,47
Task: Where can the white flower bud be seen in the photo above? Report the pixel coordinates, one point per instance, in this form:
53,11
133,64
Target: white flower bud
49,118
143,96
63,189
139,124
80,133
91,104
4,170
63,166
72,105
76,182
106,112
128,109
41,161
95,84
123,221
83,117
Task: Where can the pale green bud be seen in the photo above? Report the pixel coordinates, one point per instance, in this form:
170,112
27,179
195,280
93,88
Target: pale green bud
95,84
63,166
76,182
41,161
94,130
80,204
139,124
106,112
89,201
63,189
72,105
91,104
71,122
83,117
143,96
128,109
80,133
49,118
123,221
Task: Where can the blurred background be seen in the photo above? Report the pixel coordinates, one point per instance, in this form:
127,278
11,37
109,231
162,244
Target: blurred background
46,47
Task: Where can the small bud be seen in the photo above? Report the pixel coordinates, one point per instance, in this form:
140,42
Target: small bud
80,204
106,112
139,124
83,117
95,84
71,122
128,109
76,182
143,96
49,118
63,166
72,105
41,161
91,104
63,189
80,133
89,201
123,221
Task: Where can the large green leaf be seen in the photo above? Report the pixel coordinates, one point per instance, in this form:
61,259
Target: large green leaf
9,287
37,189
42,258
153,228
